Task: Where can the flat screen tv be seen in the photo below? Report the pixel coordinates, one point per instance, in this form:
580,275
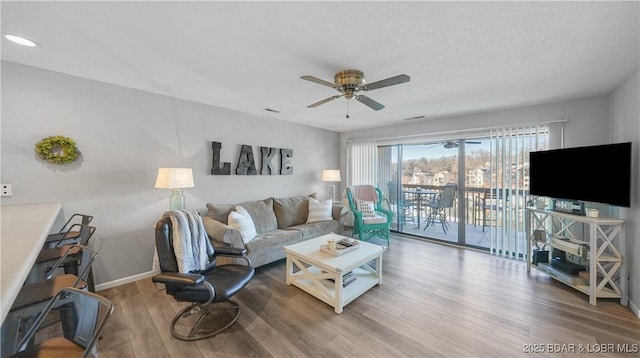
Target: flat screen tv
598,174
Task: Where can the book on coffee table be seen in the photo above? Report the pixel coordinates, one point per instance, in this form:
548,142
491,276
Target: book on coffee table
347,279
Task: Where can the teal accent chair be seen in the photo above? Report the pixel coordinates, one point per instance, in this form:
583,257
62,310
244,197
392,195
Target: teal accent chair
367,227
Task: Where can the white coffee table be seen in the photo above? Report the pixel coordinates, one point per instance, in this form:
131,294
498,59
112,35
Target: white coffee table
315,270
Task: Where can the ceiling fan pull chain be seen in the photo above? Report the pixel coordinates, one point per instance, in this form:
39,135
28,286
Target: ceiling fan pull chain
347,109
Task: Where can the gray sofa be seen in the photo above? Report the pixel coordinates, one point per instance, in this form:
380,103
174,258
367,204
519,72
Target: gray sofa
279,222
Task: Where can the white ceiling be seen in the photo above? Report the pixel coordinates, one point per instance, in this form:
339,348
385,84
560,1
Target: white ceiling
463,57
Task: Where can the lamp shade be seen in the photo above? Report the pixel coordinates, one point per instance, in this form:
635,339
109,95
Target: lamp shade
174,178
330,175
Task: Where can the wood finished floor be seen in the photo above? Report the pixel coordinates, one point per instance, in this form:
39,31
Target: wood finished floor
435,301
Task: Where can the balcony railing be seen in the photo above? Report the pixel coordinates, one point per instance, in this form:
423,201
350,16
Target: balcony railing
472,198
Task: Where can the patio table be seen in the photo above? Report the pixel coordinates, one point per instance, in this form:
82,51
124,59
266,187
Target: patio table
419,194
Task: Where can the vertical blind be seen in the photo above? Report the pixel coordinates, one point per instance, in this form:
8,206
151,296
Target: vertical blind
385,167
361,167
509,167
361,163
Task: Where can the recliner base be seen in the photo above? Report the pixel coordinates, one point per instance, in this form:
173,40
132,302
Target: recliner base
200,312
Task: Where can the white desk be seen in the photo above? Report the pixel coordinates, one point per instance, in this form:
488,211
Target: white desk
23,232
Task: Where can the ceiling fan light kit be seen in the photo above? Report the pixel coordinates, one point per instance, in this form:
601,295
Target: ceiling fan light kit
349,82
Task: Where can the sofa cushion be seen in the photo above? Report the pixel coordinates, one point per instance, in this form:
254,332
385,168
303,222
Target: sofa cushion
220,212
269,247
320,210
310,231
291,211
274,239
261,212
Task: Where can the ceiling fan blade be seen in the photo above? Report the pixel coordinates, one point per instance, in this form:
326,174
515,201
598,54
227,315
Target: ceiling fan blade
320,81
395,80
324,101
370,103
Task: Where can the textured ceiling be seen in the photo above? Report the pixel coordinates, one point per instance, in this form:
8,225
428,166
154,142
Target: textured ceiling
462,57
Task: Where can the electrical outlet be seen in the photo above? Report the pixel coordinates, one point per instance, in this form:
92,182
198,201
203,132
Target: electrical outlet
6,190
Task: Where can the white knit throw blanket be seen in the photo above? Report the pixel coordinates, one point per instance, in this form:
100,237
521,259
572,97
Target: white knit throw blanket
190,241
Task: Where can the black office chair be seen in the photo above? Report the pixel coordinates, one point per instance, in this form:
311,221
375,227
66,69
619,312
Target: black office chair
209,290
86,315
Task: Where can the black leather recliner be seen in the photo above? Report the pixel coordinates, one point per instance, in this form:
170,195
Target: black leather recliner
209,290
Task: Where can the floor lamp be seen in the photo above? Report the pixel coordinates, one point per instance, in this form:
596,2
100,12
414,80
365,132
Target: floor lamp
331,175
175,179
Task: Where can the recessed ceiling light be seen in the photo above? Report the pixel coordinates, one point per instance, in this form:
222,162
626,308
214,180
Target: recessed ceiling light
20,40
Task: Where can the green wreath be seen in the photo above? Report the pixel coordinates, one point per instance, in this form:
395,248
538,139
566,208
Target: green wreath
57,149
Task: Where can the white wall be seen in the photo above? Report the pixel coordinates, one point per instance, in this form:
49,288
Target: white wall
625,127
586,122
124,136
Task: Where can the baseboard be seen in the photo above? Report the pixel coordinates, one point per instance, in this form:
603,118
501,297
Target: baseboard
125,280
634,309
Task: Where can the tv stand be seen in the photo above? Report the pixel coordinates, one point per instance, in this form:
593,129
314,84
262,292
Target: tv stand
607,272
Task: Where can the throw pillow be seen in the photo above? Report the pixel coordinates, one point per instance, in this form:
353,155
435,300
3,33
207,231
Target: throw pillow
291,211
261,212
319,210
366,207
219,212
241,221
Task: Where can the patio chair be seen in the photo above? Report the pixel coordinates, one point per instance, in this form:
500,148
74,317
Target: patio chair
491,200
402,205
439,205
370,219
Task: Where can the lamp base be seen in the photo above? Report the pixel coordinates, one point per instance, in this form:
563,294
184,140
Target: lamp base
332,187
176,201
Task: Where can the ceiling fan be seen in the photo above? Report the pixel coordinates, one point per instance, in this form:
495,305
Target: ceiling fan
349,82
454,143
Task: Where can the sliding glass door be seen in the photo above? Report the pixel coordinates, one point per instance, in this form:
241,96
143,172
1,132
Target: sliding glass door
463,191
427,169
413,178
